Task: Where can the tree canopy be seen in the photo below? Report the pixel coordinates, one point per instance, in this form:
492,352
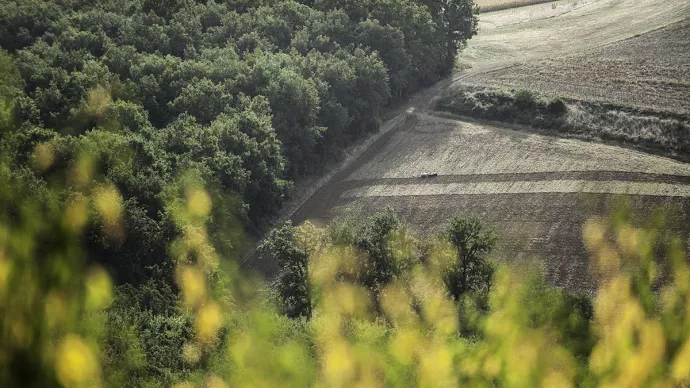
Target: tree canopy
251,94
126,109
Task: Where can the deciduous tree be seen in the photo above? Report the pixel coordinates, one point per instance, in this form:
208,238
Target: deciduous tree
472,242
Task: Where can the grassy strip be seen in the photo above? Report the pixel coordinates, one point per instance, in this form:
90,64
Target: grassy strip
662,133
498,5
520,107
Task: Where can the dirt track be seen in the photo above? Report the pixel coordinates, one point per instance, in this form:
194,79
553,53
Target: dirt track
535,190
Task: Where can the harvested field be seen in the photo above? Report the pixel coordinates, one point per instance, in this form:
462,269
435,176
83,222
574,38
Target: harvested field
536,190
497,5
451,147
523,187
651,71
537,32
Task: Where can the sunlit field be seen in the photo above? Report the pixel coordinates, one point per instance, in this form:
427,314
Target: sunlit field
496,5
648,71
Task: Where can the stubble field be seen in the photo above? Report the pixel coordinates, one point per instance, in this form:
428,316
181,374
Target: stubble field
651,71
631,53
535,190
495,5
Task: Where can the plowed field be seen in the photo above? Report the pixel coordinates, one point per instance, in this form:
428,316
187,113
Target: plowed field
535,190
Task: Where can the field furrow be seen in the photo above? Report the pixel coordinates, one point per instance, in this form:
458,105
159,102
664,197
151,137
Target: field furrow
535,190
524,187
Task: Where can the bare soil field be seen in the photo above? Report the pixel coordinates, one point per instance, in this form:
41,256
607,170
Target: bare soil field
536,190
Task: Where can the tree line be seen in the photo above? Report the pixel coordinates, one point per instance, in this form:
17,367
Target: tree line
383,251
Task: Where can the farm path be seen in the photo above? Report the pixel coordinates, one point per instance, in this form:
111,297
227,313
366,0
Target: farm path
535,190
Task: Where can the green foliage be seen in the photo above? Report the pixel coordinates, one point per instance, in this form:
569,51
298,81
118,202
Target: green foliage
470,273
50,297
63,324
11,86
145,334
387,256
292,282
315,76
525,100
519,107
557,107
248,95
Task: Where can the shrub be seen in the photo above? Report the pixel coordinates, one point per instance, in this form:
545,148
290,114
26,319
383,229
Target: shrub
557,107
520,107
292,282
507,112
526,100
460,103
495,97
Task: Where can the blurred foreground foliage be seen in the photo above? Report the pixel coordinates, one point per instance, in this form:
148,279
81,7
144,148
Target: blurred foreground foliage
368,305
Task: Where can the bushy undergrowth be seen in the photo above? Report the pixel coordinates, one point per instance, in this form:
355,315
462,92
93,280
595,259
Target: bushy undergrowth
651,132
577,119
520,107
382,313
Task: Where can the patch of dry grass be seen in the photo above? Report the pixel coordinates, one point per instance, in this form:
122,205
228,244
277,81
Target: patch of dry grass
451,147
671,135
497,5
665,133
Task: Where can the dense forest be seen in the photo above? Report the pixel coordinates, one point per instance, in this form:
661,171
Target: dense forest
130,101
252,95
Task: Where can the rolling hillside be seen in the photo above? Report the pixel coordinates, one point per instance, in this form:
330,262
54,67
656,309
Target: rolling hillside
535,190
